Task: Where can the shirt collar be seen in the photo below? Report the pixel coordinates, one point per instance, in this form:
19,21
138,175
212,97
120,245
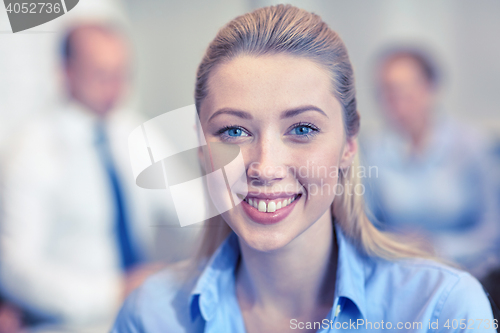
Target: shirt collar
79,110
350,282
206,293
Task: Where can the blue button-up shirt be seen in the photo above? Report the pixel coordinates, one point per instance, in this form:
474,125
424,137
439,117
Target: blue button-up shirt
371,294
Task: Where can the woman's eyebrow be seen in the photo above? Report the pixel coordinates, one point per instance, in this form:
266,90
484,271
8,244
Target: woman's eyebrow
296,111
237,113
285,114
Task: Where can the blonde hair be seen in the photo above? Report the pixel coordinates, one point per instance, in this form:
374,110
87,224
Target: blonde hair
284,29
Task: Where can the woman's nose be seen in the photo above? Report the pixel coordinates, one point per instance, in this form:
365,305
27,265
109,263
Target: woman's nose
267,163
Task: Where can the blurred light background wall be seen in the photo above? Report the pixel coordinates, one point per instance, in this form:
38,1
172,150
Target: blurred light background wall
171,37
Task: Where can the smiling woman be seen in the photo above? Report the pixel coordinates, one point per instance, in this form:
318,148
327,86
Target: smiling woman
278,83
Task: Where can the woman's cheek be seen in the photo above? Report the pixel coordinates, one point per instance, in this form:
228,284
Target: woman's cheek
318,174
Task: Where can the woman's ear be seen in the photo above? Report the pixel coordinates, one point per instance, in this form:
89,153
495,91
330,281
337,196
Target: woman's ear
350,150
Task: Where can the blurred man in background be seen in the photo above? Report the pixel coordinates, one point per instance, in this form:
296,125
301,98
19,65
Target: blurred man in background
433,175
75,231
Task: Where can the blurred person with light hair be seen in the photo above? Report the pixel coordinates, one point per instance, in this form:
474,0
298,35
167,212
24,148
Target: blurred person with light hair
433,171
76,233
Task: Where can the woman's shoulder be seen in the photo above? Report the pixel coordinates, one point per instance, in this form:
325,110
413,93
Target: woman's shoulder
429,274
160,304
428,286
170,280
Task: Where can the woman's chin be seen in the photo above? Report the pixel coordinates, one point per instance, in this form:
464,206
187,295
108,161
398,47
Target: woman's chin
262,237
265,240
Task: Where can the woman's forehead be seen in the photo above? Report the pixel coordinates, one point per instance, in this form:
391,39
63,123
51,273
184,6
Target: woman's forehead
274,82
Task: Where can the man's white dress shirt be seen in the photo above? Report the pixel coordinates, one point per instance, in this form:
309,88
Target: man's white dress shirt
58,248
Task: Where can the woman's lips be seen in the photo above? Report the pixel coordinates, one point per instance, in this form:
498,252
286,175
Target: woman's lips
266,211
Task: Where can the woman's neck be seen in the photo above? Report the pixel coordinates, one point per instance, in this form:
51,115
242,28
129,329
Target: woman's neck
296,280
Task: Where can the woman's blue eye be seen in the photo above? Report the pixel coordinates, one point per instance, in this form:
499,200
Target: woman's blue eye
302,130
231,132
234,132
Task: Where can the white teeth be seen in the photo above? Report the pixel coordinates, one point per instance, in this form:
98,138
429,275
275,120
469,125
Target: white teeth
271,206
262,206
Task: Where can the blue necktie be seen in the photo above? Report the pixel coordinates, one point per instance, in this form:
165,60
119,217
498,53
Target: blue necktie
129,257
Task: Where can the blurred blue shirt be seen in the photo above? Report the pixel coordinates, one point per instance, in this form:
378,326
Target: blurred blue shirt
445,192
368,290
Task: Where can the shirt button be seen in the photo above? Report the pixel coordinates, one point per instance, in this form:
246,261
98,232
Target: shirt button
337,310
